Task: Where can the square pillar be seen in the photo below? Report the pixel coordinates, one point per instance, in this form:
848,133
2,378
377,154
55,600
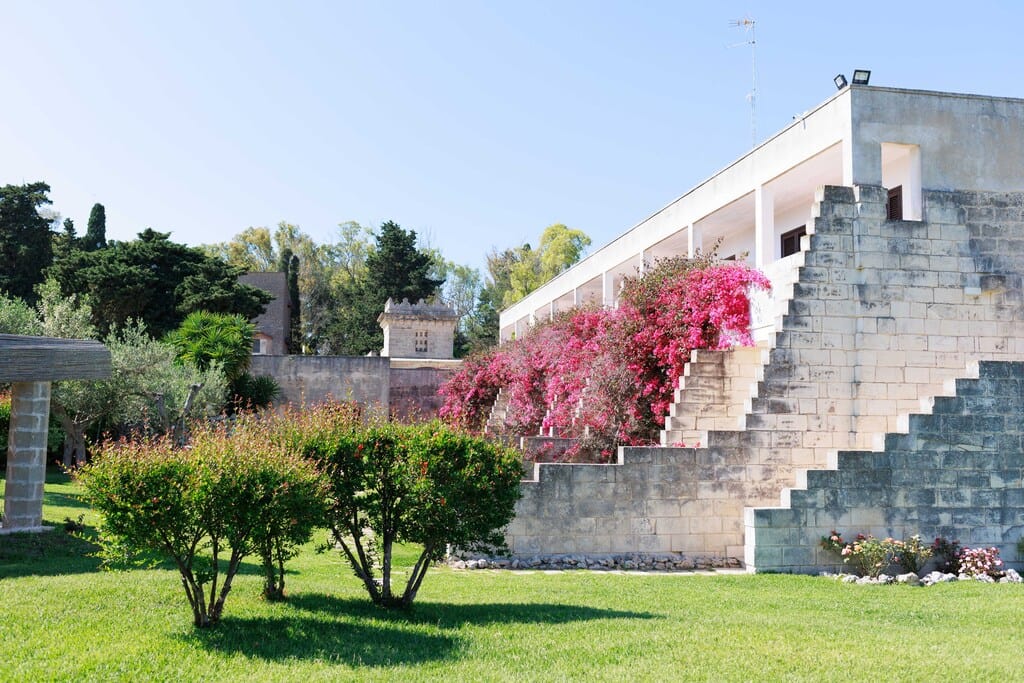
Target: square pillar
26,456
608,289
693,240
764,226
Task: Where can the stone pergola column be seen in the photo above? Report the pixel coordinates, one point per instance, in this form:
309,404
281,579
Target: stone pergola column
26,456
31,364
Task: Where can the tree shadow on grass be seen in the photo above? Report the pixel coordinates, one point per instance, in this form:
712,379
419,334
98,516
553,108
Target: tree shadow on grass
357,632
357,643
452,615
64,500
49,553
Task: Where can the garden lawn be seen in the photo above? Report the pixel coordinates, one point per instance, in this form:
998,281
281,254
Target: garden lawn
64,619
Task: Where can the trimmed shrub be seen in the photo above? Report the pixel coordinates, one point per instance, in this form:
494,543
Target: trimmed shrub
227,496
426,484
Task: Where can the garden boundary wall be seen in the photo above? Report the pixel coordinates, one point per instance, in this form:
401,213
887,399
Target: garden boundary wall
405,387
883,315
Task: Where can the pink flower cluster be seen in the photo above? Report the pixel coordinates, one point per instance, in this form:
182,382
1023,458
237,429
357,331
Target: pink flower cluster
981,562
608,375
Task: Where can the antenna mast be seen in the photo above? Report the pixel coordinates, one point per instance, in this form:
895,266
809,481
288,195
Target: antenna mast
747,24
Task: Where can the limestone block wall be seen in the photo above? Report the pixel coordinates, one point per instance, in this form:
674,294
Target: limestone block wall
26,456
714,393
638,505
884,314
957,473
309,379
413,391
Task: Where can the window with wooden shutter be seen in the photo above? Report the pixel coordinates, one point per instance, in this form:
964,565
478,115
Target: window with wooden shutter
894,208
791,240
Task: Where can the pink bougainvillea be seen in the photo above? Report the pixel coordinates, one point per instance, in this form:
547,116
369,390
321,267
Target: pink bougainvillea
607,376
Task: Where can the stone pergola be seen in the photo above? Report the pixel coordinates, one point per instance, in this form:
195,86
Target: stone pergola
30,364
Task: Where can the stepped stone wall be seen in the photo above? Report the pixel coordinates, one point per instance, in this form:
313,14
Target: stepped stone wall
884,313
957,473
714,393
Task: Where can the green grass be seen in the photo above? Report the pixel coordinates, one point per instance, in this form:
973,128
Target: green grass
63,619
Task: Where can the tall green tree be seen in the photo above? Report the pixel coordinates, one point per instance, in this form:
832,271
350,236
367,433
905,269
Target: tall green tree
156,281
290,267
560,248
26,241
395,269
96,232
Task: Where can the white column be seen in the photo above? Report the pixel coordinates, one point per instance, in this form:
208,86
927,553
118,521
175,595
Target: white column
693,240
764,226
608,289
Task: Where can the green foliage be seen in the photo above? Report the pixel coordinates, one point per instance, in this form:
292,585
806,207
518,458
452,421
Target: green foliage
871,556
228,496
17,317
560,248
395,269
96,232
26,246
204,339
423,483
249,392
911,554
156,281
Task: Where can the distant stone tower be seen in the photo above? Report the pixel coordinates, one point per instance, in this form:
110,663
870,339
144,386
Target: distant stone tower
418,330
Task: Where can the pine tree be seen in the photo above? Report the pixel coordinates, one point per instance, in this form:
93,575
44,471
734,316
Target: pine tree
26,242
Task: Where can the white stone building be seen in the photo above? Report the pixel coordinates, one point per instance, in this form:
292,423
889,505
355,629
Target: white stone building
902,140
886,391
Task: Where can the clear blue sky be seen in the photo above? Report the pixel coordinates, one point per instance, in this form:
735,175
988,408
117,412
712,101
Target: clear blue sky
476,124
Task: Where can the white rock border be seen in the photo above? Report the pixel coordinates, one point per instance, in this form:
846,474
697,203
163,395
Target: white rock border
929,579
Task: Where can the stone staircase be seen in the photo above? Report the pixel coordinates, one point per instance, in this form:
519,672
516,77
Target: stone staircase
714,394
496,420
955,472
882,318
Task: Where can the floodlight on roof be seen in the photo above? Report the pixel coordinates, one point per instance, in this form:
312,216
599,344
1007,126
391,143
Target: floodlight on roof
840,81
861,76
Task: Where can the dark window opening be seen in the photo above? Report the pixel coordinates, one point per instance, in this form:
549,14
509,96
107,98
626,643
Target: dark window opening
731,257
894,207
791,240
421,341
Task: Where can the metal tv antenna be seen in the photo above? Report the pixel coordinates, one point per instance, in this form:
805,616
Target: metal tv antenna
747,24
